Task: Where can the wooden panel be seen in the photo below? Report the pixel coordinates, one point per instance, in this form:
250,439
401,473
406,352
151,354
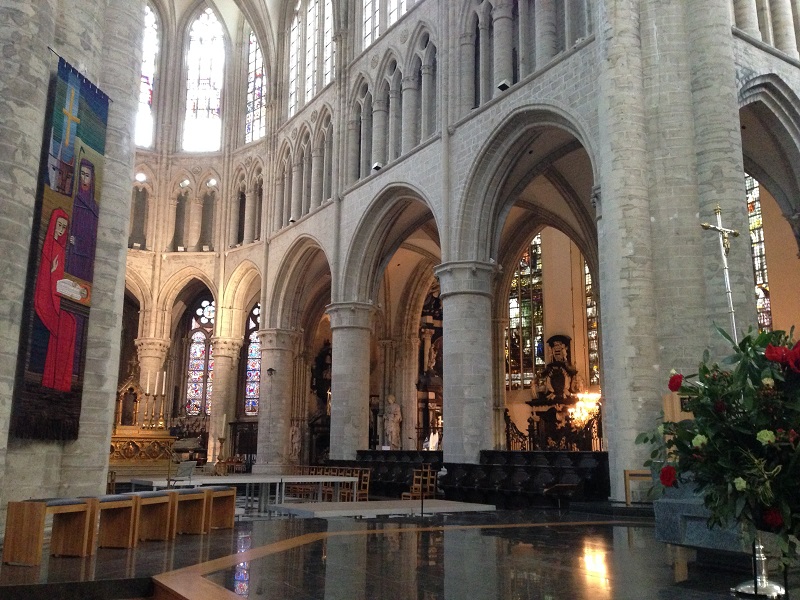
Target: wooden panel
24,535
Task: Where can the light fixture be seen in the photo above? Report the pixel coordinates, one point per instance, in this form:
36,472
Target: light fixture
184,183
503,85
270,372
141,177
586,408
211,182
377,166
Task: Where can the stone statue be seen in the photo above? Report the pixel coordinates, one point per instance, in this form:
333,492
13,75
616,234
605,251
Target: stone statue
392,417
294,436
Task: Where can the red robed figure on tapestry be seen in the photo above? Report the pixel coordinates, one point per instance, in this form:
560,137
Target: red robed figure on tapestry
47,303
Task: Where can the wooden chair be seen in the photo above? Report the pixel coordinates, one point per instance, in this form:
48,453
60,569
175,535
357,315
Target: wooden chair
415,493
25,523
362,495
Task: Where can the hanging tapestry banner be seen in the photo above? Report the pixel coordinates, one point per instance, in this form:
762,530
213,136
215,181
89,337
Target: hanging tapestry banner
52,357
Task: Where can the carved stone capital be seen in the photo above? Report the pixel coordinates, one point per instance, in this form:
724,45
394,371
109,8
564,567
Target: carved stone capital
227,347
152,348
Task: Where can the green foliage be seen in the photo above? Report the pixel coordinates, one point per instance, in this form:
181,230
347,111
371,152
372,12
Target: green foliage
742,447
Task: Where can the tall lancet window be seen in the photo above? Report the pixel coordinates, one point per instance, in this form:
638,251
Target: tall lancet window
396,10
294,62
312,48
205,62
525,333
255,126
200,363
327,44
763,307
252,371
144,117
371,21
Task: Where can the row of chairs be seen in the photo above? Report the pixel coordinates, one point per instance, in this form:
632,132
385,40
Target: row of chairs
423,484
80,525
307,491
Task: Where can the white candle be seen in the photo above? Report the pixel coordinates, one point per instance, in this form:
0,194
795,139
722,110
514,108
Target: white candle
224,419
147,391
164,385
155,387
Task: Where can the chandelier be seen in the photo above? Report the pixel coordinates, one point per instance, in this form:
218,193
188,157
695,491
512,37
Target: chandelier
585,409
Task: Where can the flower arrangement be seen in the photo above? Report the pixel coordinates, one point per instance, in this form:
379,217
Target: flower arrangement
741,449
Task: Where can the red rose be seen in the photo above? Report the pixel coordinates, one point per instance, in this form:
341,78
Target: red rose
675,382
793,358
668,476
772,518
719,407
778,354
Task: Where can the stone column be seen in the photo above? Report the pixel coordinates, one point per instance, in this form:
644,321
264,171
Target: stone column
249,216
317,168
195,224
485,47
783,27
545,19
503,39
380,118
280,192
297,192
233,222
746,17
223,407
306,181
465,71
152,353
428,93
395,123
467,325
353,150
351,333
410,112
524,44
278,348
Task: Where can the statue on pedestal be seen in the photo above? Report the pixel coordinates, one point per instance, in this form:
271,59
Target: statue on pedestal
392,417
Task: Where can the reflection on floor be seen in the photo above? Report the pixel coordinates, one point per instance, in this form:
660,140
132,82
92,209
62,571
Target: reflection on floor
505,554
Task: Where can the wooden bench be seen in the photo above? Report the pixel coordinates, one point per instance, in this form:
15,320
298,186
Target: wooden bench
25,524
636,474
188,511
153,512
220,507
113,522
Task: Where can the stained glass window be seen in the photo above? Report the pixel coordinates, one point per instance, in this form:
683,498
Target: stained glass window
591,327
525,333
144,117
763,307
255,125
252,372
294,62
200,364
205,61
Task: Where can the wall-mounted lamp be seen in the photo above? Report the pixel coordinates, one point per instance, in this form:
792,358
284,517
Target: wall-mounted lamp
211,182
270,372
184,183
377,166
140,177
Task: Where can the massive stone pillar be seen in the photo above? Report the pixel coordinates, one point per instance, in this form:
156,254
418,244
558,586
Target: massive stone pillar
194,226
278,349
395,122
380,121
353,149
249,216
26,27
351,333
467,326
783,27
466,64
428,93
297,191
317,173
630,387
485,49
226,368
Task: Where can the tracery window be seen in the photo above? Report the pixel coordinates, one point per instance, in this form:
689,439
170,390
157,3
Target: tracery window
144,116
205,62
252,371
200,363
255,126
311,51
763,307
591,327
525,333
378,15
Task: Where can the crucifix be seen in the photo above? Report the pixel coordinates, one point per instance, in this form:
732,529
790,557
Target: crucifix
725,247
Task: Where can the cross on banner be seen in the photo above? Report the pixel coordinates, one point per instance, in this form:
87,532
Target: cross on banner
725,247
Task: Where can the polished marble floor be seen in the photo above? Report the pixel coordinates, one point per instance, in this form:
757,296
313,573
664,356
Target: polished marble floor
546,554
